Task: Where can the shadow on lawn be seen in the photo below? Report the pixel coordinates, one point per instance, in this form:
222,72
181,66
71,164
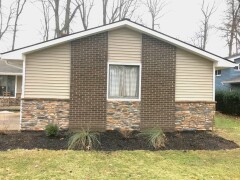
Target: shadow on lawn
113,141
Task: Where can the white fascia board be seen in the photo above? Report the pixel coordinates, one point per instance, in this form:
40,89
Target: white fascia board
14,55
18,54
220,61
225,64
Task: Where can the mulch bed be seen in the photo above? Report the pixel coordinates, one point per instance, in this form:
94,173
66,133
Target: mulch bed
113,140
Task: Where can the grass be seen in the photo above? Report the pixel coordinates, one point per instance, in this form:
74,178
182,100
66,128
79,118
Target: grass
46,164
228,127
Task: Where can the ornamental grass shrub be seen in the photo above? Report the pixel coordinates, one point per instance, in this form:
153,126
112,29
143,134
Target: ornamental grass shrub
84,140
155,137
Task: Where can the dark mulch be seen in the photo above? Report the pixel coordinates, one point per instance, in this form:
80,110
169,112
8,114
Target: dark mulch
112,141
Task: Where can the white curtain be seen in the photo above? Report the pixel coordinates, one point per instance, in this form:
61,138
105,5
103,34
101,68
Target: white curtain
123,81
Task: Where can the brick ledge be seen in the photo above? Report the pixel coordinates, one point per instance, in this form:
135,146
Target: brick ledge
44,99
207,102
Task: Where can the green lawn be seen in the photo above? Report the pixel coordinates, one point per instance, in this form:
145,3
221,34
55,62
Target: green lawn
45,164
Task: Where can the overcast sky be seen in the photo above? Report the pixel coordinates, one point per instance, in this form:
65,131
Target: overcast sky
181,20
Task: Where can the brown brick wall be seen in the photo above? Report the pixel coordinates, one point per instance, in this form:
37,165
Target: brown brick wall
89,82
158,84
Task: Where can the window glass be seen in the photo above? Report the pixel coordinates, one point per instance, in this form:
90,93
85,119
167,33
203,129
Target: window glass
218,72
7,84
237,67
123,81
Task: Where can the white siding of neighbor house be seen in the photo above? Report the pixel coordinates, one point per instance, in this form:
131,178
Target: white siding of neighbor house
19,84
48,73
16,63
194,77
124,45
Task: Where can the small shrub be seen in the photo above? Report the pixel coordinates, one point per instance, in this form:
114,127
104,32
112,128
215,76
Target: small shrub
84,140
126,133
155,137
52,130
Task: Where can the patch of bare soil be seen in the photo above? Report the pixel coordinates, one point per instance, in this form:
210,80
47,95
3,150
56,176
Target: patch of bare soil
113,141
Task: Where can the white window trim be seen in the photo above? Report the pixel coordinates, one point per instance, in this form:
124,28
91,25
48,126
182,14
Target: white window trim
15,95
140,79
214,81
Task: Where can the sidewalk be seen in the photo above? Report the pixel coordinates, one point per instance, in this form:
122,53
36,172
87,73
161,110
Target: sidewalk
9,121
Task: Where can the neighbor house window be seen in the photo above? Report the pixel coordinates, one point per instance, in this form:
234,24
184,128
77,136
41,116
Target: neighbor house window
237,68
7,84
218,72
123,82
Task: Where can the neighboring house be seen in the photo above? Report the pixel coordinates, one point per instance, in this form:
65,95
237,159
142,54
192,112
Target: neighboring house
121,75
10,82
229,79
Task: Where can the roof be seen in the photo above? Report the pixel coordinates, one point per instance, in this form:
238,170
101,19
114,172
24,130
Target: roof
19,53
7,69
234,80
233,57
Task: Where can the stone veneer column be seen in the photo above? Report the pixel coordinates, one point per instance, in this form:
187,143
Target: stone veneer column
37,113
194,115
123,115
88,88
158,84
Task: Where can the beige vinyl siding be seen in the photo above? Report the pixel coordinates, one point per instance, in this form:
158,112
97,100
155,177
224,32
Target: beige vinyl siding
194,77
124,45
48,73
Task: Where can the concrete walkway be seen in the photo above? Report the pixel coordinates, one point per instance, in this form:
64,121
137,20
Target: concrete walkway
9,121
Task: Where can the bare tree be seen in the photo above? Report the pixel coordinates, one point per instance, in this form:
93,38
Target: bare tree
104,8
117,10
201,37
113,14
5,20
155,8
46,11
55,4
19,9
85,7
126,8
231,25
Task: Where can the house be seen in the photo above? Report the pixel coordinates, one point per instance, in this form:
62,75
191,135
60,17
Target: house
120,75
229,79
10,82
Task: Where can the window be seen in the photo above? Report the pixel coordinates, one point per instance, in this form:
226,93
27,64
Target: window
218,72
123,81
237,68
7,84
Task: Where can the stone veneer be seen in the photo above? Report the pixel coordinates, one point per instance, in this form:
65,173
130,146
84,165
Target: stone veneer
194,116
38,113
4,102
123,114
